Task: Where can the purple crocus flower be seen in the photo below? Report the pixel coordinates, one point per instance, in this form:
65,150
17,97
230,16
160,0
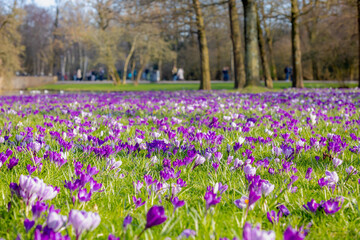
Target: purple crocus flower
55,221
72,186
211,198
322,182
28,224
243,202
311,206
83,221
308,174
137,202
293,179
181,182
283,210
12,163
220,188
272,216
187,233
337,162
249,170
127,221
250,233
292,234
198,161
177,203
266,188
215,165
92,170
148,180
138,186
112,237
83,195
38,208
351,170
31,169
254,195
95,186
155,216
331,206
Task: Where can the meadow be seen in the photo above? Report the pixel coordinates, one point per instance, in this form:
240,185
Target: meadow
181,164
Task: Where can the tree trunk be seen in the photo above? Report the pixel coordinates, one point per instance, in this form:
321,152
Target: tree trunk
114,75
160,67
251,44
264,60
127,60
269,42
141,70
133,70
238,59
205,83
298,81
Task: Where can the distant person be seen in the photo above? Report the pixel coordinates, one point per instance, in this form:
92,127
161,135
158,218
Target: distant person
148,74
174,73
78,75
288,73
101,74
225,73
88,76
93,75
143,75
158,75
180,74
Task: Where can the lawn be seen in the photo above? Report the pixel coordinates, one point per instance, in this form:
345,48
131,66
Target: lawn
177,164
166,86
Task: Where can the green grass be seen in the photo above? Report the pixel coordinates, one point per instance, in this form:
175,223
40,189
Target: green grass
108,87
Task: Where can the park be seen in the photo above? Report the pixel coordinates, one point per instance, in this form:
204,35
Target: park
186,119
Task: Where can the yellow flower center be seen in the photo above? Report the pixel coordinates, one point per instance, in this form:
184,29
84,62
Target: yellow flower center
247,201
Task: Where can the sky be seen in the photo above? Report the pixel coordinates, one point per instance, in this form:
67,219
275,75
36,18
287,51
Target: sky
44,3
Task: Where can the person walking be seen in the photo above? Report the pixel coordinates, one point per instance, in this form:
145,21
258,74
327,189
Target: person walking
288,73
78,75
180,74
225,73
174,73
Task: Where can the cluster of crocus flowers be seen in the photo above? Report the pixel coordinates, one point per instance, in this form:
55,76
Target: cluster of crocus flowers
257,188
83,221
31,189
330,206
274,217
211,198
79,184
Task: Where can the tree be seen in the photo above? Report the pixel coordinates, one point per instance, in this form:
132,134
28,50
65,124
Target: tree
298,80
36,31
10,40
251,44
205,83
269,37
108,41
239,68
264,60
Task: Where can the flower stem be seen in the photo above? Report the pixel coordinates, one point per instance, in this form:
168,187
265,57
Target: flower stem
138,237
